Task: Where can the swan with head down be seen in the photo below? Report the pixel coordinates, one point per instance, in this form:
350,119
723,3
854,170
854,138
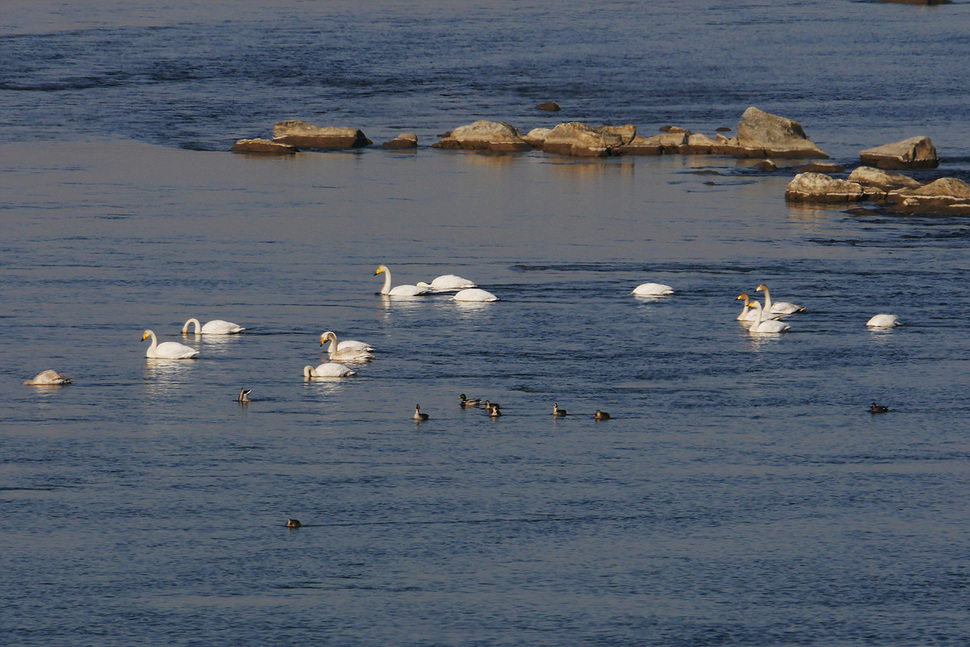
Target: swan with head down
398,290
48,378
328,369
167,349
883,321
214,327
448,283
652,290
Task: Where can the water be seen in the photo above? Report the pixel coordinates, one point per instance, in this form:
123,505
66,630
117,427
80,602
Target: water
741,494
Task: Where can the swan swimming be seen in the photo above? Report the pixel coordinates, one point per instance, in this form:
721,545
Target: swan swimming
750,314
778,307
48,378
652,290
883,321
167,349
328,369
347,344
766,325
447,283
343,354
475,294
214,327
398,290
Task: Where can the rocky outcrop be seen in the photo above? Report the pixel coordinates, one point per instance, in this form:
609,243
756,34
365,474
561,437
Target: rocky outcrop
262,146
818,187
946,195
912,153
640,146
761,134
404,141
493,136
304,135
549,106
868,176
820,167
579,140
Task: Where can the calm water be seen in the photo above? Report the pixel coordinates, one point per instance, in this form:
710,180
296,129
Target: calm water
741,495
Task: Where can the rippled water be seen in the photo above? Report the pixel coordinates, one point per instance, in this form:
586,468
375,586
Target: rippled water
741,494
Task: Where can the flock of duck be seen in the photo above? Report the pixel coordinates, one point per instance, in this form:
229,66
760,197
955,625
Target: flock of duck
757,317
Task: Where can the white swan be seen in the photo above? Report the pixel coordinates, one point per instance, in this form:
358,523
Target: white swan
652,290
475,294
167,349
778,307
346,354
449,282
214,327
48,378
330,369
750,314
883,321
345,344
399,290
766,325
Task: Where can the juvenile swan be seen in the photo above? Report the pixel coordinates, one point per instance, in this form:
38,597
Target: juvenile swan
398,290
214,327
167,349
48,378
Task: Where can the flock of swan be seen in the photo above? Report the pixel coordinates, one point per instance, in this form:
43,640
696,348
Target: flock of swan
757,317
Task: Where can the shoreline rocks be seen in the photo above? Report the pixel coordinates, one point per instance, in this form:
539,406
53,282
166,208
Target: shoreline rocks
404,141
305,135
913,153
263,146
492,136
768,135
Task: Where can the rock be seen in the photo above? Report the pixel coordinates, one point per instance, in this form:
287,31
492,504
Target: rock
671,142
946,195
699,144
404,141
873,177
774,136
912,153
304,135
766,165
627,132
820,167
579,140
723,129
492,136
549,106
817,187
639,146
537,136
674,129
263,146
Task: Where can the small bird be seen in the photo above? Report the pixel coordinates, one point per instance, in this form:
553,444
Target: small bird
494,411
601,415
878,408
243,396
556,411
418,416
489,404
293,523
469,403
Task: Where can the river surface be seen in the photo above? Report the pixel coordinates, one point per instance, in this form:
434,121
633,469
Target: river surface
741,494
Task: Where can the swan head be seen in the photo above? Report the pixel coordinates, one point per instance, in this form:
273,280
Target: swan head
761,287
743,295
754,304
328,336
380,268
145,335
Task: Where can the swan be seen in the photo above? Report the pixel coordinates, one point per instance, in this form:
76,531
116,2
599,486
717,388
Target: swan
336,353
475,294
214,327
652,290
345,344
448,283
329,369
766,325
883,321
48,378
469,403
418,416
556,411
398,290
167,349
749,314
601,415
779,307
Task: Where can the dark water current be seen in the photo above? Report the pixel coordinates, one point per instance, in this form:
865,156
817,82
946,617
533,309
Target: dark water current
742,494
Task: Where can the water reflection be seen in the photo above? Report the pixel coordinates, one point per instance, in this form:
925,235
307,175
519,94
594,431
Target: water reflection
164,377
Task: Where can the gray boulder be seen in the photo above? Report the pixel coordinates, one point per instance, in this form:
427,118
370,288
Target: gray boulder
766,135
912,153
304,135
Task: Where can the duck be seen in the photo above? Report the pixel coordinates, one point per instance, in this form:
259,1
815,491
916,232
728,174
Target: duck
494,411
475,294
556,411
243,396
489,404
652,290
293,523
398,290
750,314
469,403
327,369
778,307
214,327
418,416
448,283
49,377
601,415
883,321
762,325
878,408
167,349
348,354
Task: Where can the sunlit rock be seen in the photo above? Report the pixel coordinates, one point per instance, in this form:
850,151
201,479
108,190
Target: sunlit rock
263,146
537,136
912,153
579,140
868,176
404,141
304,135
817,187
494,136
766,135
946,195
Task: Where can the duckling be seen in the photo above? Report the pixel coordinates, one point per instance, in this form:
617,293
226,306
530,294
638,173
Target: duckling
469,403
489,404
293,523
243,396
878,408
601,415
556,411
418,416
494,411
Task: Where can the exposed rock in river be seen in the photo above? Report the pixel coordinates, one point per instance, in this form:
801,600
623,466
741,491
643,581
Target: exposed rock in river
946,195
912,153
304,135
579,140
494,136
873,177
404,141
766,135
549,106
817,187
263,146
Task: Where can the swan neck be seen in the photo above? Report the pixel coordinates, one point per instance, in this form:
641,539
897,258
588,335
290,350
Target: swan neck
767,299
192,322
387,282
308,371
